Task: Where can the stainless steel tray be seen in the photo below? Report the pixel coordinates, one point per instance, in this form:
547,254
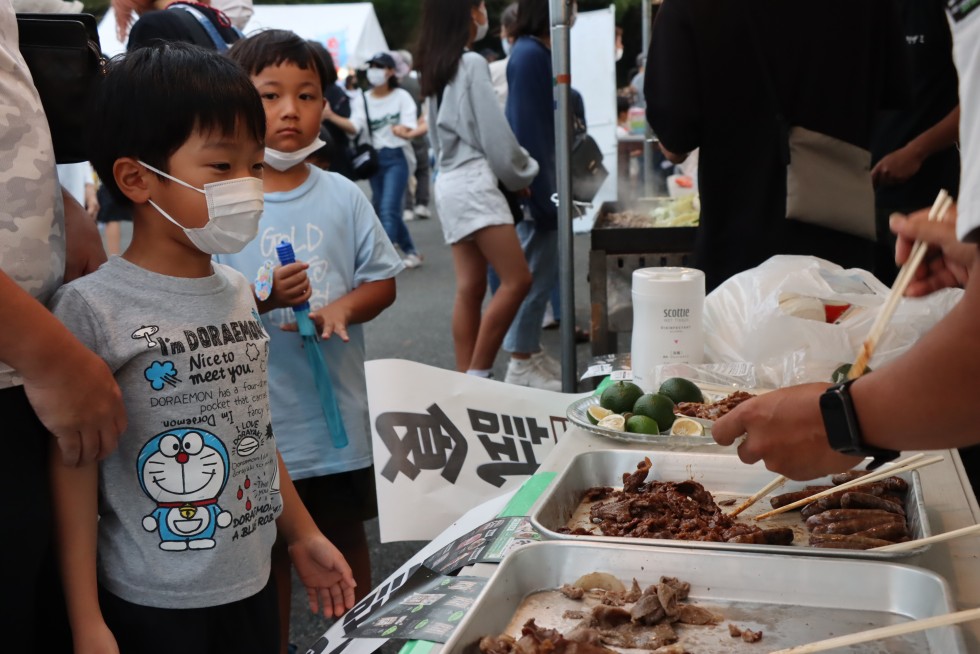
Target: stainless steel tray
724,476
793,600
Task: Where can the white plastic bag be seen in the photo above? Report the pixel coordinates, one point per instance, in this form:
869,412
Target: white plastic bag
769,317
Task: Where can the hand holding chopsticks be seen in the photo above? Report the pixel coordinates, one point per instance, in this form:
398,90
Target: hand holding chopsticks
940,208
884,632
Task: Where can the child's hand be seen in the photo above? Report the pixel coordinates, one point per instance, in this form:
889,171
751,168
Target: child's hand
290,285
331,320
96,639
322,569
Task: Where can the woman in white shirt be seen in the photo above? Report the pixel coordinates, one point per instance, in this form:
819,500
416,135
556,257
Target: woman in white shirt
390,116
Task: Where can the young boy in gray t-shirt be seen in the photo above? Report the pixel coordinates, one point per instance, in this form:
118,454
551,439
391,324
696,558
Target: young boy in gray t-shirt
166,545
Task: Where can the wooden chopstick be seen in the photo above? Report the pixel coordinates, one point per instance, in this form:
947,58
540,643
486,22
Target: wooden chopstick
765,490
912,463
938,538
905,276
884,632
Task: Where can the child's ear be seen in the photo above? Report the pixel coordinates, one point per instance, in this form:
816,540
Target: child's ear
130,177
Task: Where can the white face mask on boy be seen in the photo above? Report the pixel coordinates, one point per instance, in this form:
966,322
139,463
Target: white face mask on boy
234,209
481,28
283,161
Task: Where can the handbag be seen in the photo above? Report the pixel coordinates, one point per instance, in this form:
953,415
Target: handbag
588,173
363,156
66,62
828,181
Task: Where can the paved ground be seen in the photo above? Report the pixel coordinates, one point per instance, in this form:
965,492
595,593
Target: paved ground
417,327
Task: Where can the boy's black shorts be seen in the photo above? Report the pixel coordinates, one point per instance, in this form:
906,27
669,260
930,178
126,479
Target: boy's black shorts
248,626
340,498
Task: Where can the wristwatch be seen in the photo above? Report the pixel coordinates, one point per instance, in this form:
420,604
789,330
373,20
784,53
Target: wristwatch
844,431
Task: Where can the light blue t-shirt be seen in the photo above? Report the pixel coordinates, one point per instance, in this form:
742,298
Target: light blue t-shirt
332,227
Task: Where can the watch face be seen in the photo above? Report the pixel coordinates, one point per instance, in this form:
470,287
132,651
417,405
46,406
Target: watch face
838,420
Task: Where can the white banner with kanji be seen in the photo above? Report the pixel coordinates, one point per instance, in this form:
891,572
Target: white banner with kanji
444,442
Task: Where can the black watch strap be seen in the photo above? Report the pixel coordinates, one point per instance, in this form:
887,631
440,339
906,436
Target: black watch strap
843,429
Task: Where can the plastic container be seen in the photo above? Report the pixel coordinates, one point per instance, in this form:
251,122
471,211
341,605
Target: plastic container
667,328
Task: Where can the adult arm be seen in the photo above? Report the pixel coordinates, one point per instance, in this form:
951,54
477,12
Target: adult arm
509,162
411,124
902,164
345,124
948,260
902,406
75,496
70,388
670,87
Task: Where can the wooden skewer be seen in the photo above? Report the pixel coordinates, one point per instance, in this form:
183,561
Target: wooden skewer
780,480
768,488
904,466
938,538
884,632
905,276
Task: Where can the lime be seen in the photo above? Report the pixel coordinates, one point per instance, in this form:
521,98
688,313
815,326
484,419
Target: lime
642,425
686,427
620,397
679,390
613,422
597,413
840,375
656,406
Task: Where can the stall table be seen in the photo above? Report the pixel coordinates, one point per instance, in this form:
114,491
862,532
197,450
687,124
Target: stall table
949,499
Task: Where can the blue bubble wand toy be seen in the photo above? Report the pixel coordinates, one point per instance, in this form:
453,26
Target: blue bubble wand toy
311,343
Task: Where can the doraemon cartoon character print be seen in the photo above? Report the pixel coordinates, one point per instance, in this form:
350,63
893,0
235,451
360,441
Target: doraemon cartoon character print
184,472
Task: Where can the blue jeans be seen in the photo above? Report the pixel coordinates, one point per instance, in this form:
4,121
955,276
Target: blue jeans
387,194
541,251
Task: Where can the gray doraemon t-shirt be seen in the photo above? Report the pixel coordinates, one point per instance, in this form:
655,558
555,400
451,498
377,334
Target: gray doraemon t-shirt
187,503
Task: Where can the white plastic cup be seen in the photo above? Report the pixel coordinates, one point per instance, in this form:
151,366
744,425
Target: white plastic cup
667,327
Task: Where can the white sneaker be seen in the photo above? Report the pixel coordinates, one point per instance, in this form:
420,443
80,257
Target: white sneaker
548,364
528,372
422,212
412,260
408,215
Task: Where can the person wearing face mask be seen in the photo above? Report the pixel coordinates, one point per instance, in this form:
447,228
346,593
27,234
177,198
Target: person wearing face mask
498,69
474,149
388,113
177,525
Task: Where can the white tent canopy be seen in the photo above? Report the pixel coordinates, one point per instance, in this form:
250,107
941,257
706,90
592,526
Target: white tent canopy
350,32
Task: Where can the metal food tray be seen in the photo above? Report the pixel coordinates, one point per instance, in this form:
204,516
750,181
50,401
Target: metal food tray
724,476
792,600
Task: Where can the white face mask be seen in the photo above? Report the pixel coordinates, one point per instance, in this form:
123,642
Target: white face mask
234,209
619,54
283,161
376,76
481,28
507,46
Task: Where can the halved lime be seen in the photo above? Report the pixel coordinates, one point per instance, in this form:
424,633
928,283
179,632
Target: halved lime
686,427
614,422
597,413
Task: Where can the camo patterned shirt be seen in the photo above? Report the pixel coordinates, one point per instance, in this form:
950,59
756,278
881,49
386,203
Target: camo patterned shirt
32,225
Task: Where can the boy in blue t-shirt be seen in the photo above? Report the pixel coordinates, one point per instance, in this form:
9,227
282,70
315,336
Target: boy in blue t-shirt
352,266
166,545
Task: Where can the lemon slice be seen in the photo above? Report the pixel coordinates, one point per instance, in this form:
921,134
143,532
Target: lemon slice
686,427
614,422
597,413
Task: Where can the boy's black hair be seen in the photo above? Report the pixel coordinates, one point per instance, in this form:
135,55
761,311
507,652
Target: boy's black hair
154,98
329,68
622,105
533,19
275,47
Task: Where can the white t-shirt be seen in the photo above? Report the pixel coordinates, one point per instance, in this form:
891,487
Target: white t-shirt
396,108
965,20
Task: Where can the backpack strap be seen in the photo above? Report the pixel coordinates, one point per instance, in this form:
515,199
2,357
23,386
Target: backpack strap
219,43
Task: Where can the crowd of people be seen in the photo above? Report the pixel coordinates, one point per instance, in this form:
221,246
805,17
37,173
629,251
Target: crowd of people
170,446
